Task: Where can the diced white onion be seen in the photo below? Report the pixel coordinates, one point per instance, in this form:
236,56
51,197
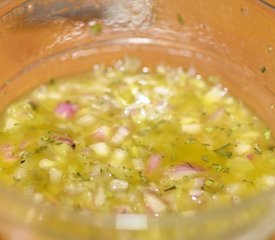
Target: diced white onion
85,120
195,193
95,170
20,173
100,197
118,185
55,175
163,91
138,164
47,164
242,148
154,203
268,181
192,128
74,188
117,157
120,135
131,221
214,95
101,149
10,123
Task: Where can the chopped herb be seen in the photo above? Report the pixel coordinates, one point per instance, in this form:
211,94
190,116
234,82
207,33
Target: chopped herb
247,181
25,155
142,177
263,69
217,167
47,139
257,149
267,134
170,188
40,149
205,158
180,19
223,152
212,185
209,183
220,168
96,28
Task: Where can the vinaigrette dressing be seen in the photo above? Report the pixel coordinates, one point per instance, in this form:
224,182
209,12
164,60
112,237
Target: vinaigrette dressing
124,140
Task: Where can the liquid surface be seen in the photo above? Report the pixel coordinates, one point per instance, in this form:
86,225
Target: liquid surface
124,140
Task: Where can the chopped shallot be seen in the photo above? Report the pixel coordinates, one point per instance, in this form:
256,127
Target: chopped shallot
7,152
195,193
66,140
65,109
138,164
118,185
101,149
102,133
177,172
55,175
120,135
154,162
155,204
100,197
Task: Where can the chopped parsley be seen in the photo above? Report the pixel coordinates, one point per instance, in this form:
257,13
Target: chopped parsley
96,28
222,151
267,134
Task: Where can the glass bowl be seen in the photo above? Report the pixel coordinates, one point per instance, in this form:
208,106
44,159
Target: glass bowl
235,40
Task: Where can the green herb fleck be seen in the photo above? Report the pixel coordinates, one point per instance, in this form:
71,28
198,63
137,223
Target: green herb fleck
223,152
96,28
247,181
170,188
180,19
263,69
47,139
217,167
205,158
209,183
220,168
212,185
257,149
142,177
40,149
25,155
267,134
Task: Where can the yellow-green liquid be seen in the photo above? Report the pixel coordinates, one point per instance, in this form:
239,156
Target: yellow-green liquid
135,141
